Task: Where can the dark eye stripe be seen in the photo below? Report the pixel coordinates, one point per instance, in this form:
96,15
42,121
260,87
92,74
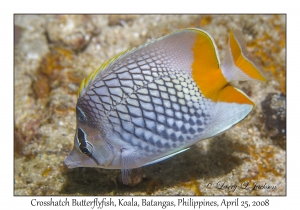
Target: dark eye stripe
81,136
84,146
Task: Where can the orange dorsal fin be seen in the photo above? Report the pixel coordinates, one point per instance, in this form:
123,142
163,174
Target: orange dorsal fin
206,66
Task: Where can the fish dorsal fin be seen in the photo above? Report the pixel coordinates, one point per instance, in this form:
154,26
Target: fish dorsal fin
166,157
92,76
206,57
206,66
179,46
164,40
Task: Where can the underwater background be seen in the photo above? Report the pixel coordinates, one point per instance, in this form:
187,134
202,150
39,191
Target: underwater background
53,53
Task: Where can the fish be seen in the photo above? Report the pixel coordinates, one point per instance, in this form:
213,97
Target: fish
152,102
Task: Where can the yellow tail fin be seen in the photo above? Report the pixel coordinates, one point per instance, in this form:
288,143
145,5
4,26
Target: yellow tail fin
237,65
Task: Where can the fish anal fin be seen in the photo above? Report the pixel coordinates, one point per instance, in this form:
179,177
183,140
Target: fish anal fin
229,94
165,157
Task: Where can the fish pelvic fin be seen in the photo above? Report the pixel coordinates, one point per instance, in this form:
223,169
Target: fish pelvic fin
238,63
125,176
129,160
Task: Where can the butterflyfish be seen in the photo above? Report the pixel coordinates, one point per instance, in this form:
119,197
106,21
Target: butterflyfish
152,102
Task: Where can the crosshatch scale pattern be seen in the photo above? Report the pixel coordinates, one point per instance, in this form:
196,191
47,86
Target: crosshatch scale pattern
148,101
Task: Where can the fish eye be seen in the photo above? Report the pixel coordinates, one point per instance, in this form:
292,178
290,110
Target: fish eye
80,114
87,150
84,146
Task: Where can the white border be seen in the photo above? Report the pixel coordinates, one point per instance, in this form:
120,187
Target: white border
8,8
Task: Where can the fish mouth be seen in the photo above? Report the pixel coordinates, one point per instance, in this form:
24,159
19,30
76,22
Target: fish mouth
70,163
74,160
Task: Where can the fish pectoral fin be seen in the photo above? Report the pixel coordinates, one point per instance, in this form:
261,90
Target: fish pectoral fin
166,157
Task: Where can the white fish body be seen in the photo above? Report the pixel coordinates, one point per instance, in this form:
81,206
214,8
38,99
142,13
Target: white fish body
154,101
